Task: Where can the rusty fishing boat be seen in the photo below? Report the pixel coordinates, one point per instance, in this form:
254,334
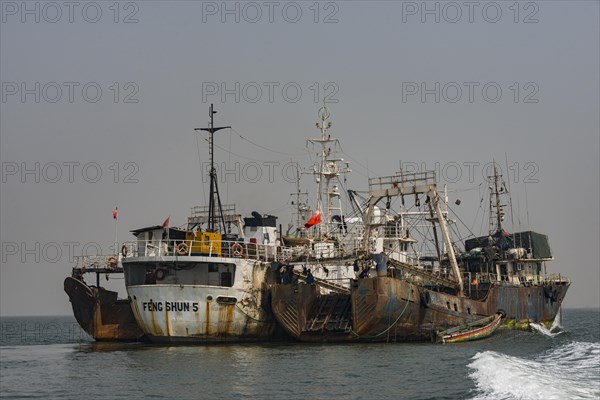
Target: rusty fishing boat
99,311
208,282
406,277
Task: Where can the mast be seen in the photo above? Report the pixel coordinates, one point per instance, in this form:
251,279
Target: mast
301,207
495,203
326,171
215,198
298,222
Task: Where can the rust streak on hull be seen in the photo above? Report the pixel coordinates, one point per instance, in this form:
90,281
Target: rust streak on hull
100,314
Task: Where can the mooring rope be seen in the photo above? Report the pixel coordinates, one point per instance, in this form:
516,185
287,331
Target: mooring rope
389,327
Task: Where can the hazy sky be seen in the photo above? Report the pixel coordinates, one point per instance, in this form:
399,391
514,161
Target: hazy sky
99,102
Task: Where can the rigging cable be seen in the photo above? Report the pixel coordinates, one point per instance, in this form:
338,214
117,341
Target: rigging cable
228,163
356,161
512,220
200,165
478,209
239,155
461,221
263,147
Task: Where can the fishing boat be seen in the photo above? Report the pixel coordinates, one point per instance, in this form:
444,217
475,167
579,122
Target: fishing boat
409,277
476,330
386,270
207,282
99,312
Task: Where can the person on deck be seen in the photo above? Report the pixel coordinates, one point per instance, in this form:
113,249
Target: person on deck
287,277
310,279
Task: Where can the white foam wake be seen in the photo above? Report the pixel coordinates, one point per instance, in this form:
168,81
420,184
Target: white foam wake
571,371
554,330
541,328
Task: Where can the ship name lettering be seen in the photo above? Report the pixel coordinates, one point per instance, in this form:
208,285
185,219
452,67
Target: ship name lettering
152,306
170,306
177,306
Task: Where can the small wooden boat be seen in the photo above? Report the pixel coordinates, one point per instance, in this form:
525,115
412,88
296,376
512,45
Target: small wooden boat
475,330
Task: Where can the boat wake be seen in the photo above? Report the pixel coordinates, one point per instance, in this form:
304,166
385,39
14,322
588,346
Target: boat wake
566,372
541,328
554,330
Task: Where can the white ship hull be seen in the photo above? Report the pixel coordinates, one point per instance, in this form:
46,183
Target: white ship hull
176,308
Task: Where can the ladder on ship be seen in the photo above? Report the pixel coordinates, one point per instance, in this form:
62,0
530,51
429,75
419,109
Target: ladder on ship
431,277
331,313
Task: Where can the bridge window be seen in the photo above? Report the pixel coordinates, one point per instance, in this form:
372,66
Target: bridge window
183,273
226,279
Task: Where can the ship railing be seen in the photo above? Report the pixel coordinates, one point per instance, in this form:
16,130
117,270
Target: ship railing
234,249
514,279
348,249
520,280
97,262
479,278
556,279
474,281
209,248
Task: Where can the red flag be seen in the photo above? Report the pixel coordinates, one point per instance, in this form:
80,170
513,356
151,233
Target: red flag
165,224
115,213
313,220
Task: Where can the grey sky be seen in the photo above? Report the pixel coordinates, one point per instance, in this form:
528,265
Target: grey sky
371,61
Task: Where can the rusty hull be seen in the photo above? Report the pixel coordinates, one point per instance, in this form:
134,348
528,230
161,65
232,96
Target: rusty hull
375,301
390,309
214,315
101,314
538,304
291,305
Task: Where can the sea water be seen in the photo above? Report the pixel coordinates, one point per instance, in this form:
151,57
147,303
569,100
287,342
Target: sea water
51,358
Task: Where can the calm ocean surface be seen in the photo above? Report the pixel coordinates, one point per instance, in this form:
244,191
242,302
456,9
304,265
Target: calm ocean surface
50,357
